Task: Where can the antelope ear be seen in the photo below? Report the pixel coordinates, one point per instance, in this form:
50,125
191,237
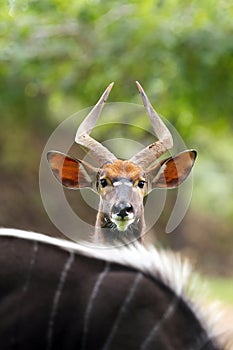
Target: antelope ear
71,172
171,172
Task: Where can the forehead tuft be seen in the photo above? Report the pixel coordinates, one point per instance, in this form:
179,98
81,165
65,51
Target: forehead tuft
122,168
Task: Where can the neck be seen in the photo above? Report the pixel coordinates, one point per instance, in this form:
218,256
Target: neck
106,231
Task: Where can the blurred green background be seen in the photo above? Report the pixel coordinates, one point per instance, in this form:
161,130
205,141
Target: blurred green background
57,56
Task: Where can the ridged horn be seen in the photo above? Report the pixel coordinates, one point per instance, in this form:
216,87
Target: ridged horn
100,153
149,154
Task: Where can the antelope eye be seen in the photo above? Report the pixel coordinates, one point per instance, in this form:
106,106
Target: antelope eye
103,182
141,184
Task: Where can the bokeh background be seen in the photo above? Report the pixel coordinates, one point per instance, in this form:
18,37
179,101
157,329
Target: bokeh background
57,56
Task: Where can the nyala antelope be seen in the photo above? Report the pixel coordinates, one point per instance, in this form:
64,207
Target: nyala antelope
56,294
122,184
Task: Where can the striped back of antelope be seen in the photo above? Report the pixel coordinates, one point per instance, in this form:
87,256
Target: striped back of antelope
60,295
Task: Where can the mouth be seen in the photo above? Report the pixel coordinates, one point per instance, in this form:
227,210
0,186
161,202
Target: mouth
122,223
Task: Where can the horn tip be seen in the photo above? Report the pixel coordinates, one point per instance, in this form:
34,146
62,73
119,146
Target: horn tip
107,92
140,89
110,86
142,93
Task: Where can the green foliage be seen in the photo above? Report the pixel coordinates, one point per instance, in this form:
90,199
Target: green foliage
182,52
221,288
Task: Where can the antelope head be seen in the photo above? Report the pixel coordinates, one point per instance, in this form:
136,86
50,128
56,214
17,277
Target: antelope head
122,184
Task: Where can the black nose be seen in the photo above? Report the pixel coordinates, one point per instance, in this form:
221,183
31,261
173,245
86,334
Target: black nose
122,209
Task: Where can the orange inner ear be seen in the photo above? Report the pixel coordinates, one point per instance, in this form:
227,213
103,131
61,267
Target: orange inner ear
171,175
176,170
70,173
65,169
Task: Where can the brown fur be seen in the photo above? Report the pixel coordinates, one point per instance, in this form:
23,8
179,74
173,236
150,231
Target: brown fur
123,169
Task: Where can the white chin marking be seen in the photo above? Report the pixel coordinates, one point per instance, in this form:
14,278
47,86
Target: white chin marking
122,224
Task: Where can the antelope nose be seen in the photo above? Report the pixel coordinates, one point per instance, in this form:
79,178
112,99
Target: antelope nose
122,209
